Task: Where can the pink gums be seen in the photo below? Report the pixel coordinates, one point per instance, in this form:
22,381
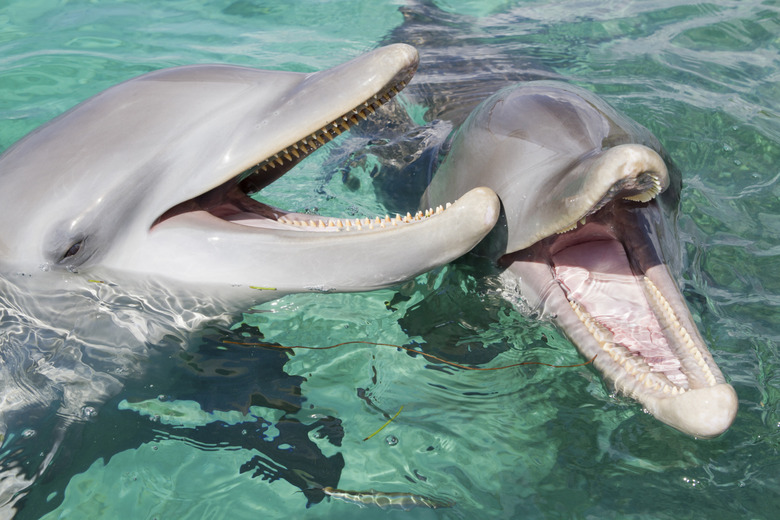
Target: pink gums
597,275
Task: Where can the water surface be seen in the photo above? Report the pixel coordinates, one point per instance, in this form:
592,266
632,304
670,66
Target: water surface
223,429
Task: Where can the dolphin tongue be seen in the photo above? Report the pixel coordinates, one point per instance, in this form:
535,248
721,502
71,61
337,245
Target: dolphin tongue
597,275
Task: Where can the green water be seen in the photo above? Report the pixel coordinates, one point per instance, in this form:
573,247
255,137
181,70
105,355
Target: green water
527,442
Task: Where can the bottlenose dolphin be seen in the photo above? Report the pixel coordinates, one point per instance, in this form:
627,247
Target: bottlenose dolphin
127,221
585,196
152,176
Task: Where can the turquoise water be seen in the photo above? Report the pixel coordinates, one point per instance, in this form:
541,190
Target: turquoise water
230,430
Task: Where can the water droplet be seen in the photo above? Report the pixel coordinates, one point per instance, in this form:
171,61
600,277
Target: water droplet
89,412
391,440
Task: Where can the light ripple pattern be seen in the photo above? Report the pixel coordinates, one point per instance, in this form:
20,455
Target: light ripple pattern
527,442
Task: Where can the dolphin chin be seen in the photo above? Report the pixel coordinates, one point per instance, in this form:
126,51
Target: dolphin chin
586,194
155,176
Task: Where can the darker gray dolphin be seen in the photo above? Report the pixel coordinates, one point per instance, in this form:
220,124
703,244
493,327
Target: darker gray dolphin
587,196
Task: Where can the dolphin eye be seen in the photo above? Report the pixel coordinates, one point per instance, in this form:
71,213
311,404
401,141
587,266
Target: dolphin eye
73,250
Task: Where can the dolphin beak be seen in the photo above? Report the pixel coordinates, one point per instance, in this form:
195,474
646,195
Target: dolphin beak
703,412
351,256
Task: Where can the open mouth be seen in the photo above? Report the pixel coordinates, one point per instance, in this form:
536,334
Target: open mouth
232,201
628,307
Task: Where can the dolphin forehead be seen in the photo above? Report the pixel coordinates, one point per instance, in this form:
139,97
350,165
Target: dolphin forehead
549,118
553,152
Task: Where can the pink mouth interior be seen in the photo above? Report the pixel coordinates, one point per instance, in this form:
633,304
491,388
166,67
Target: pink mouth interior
597,275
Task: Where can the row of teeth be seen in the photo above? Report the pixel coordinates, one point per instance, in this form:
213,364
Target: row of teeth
673,324
326,134
633,365
580,222
366,223
645,196
650,194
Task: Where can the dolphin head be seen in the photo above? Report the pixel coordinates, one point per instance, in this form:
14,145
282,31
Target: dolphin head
587,200
154,176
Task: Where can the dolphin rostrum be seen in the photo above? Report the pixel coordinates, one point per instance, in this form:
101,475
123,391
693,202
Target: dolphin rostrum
585,194
127,221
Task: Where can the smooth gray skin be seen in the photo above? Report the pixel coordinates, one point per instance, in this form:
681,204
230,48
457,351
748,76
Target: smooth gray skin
91,278
102,174
555,154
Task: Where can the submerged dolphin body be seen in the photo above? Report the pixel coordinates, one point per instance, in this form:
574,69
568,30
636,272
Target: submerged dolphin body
585,194
127,222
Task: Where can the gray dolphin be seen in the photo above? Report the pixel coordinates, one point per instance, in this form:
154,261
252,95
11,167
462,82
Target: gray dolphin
153,175
127,221
586,194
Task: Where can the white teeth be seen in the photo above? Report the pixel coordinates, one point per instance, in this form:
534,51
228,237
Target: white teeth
648,195
360,224
629,363
303,147
672,323
580,222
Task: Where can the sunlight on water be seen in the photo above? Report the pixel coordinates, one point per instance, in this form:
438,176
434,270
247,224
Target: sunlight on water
247,431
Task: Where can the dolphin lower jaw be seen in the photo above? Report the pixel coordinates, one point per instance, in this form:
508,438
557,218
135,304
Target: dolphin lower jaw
700,409
253,251
237,208
618,303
